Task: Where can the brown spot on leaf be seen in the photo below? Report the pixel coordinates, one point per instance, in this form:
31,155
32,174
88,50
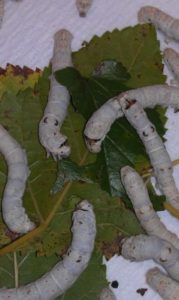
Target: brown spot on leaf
84,43
109,249
2,71
17,70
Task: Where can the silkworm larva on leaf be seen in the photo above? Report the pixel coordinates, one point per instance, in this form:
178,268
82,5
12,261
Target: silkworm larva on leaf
143,247
53,141
83,6
107,294
162,21
61,277
138,194
13,212
171,58
100,122
155,148
167,288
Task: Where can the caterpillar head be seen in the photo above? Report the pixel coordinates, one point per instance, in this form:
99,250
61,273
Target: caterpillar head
58,146
95,132
62,39
146,14
51,138
93,145
83,7
128,176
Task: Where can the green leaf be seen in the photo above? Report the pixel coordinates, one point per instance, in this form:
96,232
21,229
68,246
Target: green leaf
138,51
90,283
88,94
126,150
53,235
135,47
111,70
106,66
14,78
111,216
69,171
20,115
29,267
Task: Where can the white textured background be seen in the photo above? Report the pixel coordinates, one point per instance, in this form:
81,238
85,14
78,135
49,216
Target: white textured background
26,38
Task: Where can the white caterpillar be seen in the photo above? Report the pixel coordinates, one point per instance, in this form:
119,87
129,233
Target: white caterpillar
143,247
107,294
167,288
58,101
13,212
55,282
171,58
83,6
162,21
159,157
137,192
100,122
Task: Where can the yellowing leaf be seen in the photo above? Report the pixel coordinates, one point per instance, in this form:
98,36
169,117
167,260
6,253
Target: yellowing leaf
15,78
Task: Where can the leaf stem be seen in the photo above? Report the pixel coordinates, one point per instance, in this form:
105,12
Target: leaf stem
16,273
35,203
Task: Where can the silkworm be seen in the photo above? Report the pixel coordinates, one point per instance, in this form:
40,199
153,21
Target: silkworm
171,58
100,122
143,247
83,7
155,148
150,221
13,212
107,294
55,112
162,21
60,278
167,288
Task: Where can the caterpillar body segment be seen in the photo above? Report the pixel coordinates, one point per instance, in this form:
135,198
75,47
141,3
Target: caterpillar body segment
138,194
171,58
13,211
55,282
107,294
155,148
83,7
142,247
100,122
162,21
55,112
166,287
